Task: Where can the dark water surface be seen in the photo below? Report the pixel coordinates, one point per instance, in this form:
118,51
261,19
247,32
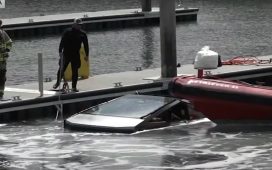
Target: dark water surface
233,27
46,145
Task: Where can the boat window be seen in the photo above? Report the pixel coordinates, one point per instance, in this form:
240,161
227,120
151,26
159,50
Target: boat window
132,106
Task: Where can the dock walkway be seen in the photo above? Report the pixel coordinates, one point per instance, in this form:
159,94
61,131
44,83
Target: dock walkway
128,78
101,87
53,24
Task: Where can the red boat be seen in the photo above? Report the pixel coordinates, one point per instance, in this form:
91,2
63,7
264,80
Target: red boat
225,101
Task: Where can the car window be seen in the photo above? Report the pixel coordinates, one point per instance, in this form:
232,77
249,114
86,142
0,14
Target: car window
133,106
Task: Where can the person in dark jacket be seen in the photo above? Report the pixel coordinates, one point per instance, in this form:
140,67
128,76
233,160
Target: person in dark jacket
69,51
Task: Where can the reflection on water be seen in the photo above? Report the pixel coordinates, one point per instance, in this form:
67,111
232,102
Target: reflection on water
148,47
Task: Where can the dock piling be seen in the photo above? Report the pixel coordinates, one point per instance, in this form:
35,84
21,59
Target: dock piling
168,39
146,5
40,73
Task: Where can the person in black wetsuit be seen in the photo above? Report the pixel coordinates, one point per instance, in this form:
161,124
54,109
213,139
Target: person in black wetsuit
69,50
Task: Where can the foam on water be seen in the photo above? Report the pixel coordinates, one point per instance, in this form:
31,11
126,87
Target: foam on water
184,146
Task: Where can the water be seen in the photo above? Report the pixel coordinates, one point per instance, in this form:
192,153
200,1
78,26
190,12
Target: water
233,27
46,145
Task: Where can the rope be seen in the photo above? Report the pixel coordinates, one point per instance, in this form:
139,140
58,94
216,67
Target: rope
59,99
246,60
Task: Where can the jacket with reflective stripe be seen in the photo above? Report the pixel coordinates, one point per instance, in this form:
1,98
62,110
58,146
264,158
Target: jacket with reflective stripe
5,43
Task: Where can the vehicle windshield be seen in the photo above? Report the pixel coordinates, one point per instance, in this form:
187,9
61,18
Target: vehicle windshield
132,106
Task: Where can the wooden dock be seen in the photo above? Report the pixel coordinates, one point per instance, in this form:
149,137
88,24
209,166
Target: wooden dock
101,20
26,103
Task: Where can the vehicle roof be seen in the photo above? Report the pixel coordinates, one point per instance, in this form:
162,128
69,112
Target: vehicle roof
130,106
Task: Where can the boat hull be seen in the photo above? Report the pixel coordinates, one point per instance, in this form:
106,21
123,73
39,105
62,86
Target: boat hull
224,101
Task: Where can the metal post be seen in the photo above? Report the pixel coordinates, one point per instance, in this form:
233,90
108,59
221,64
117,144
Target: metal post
146,5
200,73
40,73
168,38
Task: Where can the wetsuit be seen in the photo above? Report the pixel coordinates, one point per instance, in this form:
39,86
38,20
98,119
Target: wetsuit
70,48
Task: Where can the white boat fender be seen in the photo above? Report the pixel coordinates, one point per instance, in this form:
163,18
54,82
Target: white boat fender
207,59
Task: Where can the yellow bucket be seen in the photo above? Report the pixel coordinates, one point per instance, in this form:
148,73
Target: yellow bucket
83,71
